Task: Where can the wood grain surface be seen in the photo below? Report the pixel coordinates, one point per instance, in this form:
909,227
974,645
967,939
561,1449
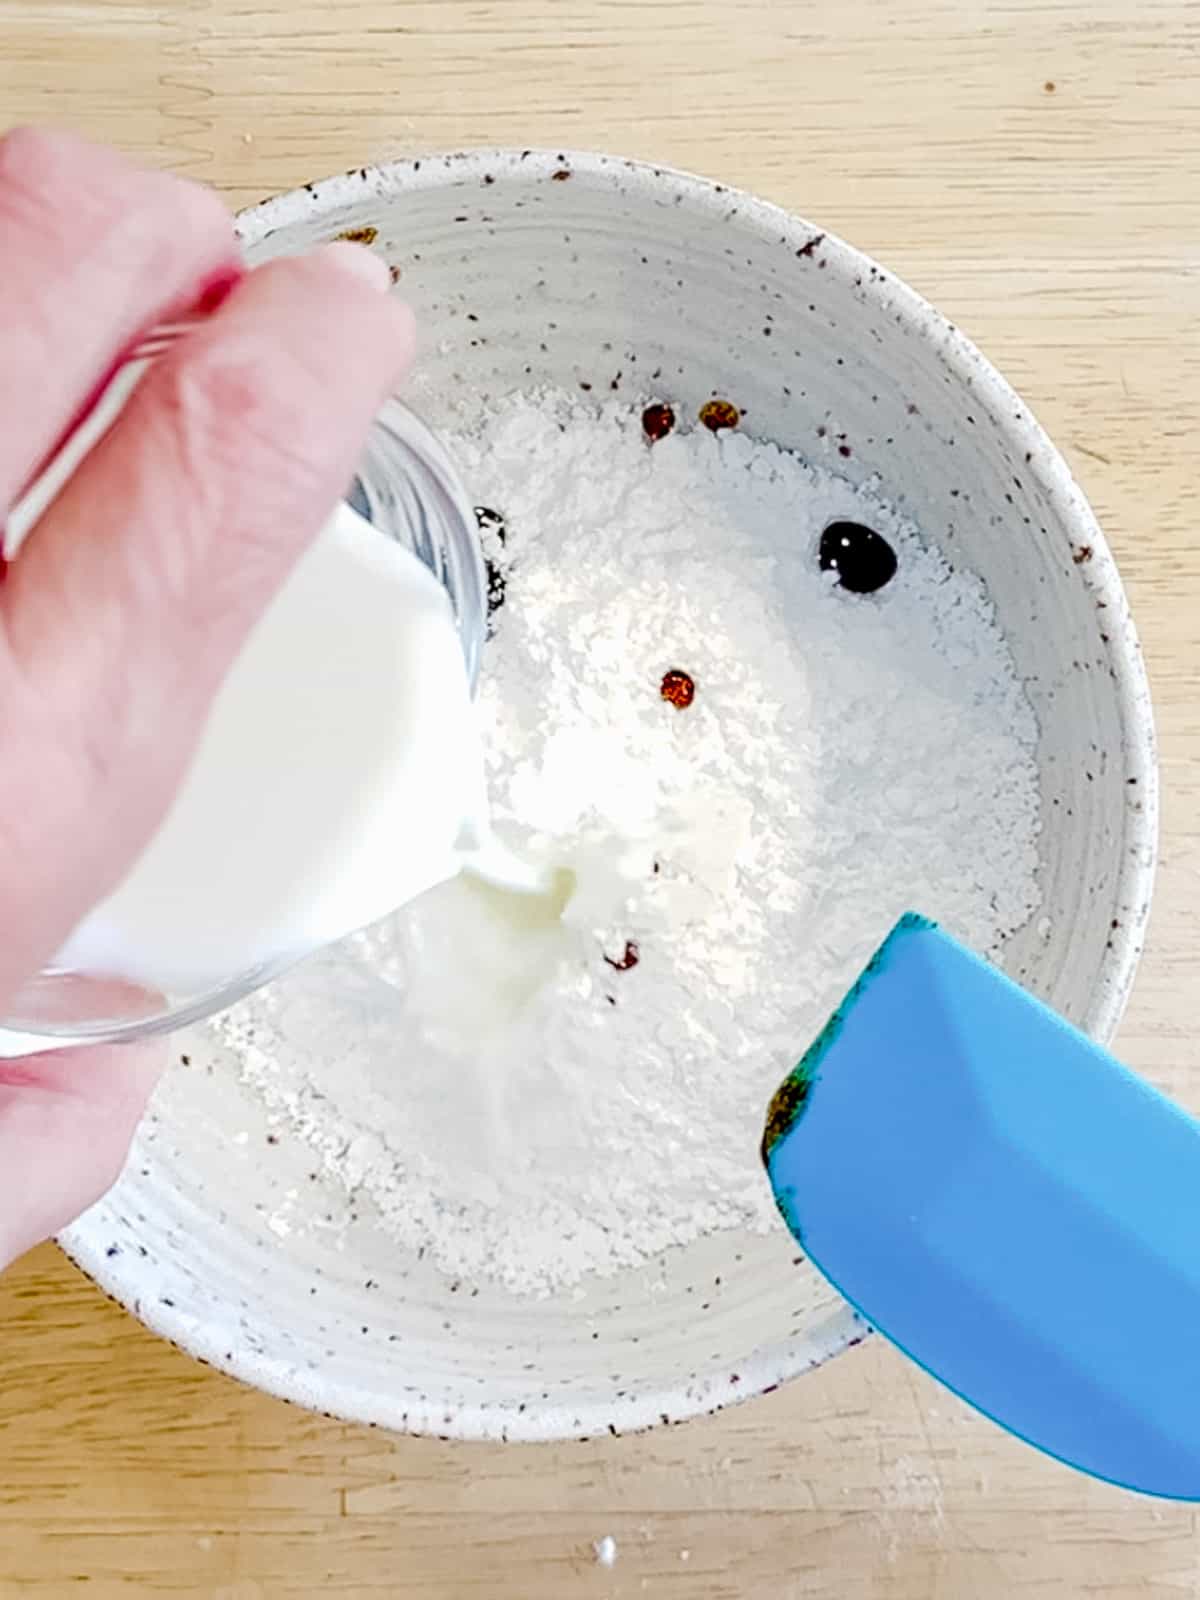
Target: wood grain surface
1034,167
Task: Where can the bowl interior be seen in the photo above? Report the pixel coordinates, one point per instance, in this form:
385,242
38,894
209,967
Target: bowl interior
587,272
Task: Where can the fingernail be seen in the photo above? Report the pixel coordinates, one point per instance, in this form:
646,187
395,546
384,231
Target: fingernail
357,261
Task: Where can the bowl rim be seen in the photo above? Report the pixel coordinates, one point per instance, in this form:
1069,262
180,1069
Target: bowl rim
768,1367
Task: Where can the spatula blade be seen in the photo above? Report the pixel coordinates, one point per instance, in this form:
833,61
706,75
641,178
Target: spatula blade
1014,1209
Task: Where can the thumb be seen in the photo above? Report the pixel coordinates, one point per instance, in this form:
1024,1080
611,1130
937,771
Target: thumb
66,1120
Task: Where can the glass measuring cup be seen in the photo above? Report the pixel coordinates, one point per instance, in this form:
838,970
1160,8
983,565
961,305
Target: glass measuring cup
407,487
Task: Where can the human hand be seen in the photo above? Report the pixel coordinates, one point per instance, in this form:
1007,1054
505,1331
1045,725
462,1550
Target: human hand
127,604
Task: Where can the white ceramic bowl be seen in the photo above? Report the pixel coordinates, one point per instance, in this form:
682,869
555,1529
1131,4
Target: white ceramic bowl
585,270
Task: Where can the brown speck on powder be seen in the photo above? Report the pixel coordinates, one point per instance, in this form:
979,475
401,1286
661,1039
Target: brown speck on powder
657,421
359,235
629,958
678,689
718,414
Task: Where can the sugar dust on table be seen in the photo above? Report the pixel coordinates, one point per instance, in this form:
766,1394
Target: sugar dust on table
745,684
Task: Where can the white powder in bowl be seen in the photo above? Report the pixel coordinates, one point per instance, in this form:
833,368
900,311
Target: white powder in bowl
845,757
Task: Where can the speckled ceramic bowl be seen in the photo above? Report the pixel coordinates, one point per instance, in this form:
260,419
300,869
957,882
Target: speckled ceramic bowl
583,270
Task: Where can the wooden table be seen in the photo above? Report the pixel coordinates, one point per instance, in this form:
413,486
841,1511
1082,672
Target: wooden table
1034,167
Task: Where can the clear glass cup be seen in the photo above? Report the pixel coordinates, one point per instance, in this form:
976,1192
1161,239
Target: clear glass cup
408,488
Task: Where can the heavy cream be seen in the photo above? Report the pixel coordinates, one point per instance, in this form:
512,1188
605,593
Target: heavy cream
338,777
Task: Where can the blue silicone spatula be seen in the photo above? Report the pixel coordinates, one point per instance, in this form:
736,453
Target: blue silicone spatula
1008,1204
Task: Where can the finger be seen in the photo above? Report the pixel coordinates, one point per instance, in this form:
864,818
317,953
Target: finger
66,1120
127,605
95,250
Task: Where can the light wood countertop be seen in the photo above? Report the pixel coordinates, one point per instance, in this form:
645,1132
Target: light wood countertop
1033,166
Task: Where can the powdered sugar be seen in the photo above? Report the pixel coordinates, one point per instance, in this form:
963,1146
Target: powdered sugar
845,758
